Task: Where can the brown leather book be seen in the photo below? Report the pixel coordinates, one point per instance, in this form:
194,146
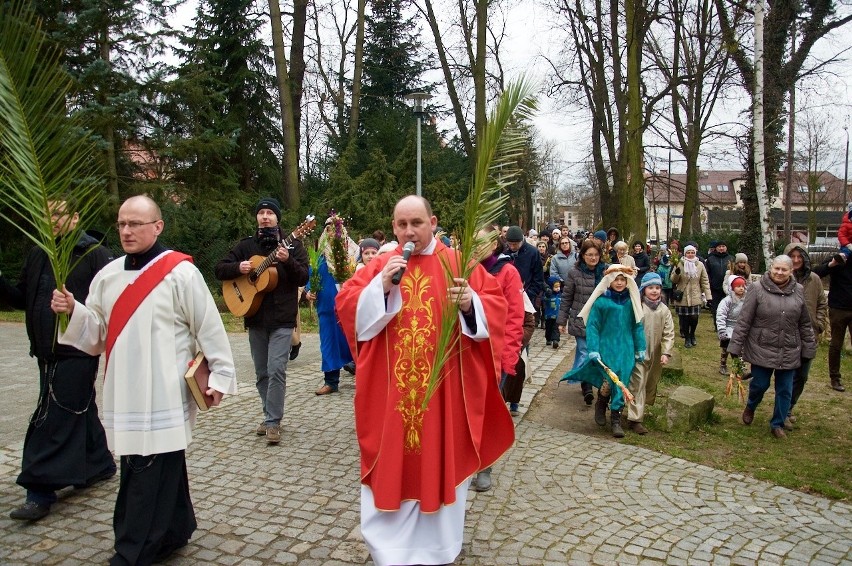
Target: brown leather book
196,379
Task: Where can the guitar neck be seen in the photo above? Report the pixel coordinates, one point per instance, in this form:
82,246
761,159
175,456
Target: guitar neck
264,265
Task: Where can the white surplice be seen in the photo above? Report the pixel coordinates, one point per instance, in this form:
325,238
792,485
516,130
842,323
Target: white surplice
147,406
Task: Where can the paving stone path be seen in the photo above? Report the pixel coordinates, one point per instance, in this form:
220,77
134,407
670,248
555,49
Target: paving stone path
559,497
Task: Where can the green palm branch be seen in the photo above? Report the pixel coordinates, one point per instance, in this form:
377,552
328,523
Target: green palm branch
45,156
502,142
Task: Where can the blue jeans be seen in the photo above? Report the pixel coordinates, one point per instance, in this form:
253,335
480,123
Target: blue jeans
799,380
760,377
270,350
332,378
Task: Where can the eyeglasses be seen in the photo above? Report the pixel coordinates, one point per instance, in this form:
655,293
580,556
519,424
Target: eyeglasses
133,225
591,255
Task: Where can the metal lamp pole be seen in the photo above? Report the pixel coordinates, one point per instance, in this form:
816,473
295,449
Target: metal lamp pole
846,168
418,98
669,199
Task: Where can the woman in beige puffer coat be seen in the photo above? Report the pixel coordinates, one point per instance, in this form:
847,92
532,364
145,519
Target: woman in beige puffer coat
690,279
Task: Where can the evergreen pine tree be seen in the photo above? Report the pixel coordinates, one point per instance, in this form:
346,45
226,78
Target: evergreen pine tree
221,110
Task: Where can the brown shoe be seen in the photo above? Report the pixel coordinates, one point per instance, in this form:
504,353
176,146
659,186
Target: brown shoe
748,416
837,386
779,433
637,427
261,429
273,434
325,390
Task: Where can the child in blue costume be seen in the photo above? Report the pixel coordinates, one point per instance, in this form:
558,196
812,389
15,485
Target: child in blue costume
334,349
614,336
552,302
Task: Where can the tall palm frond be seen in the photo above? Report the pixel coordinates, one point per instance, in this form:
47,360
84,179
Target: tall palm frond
497,154
44,155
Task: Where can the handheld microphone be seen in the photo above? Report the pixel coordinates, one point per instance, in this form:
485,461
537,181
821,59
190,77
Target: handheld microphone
406,253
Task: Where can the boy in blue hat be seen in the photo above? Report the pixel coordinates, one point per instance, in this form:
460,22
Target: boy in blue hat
659,341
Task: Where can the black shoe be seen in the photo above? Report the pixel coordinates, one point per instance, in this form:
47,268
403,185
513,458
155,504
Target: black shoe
350,367
589,397
30,511
294,351
687,343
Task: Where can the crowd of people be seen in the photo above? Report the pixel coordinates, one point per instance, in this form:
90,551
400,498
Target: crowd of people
382,306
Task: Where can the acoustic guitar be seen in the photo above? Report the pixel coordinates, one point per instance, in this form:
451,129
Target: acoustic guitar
244,294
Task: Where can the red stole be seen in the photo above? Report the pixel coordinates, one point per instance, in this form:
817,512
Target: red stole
408,453
133,295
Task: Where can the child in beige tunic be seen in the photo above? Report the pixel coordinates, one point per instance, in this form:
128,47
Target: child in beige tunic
659,338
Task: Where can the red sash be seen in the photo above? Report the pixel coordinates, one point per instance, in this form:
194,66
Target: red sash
135,293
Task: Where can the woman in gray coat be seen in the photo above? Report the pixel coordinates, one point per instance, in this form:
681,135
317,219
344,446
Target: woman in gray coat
563,262
774,333
576,290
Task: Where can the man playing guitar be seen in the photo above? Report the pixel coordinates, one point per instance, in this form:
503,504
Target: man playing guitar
270,328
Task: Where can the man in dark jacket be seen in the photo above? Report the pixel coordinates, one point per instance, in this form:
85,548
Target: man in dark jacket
65,443
839,311
717,264
270,330
526,260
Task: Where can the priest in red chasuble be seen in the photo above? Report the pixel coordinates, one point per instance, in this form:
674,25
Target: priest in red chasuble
416,463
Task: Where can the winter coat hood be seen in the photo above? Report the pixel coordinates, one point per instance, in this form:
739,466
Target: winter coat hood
805,271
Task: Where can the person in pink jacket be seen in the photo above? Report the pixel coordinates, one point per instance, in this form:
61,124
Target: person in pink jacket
500,266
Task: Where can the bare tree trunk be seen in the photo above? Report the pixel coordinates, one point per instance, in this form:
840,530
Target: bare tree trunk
791,139
109,131
464,133
632,217
288,129
479,69
759,141
297,64
356,78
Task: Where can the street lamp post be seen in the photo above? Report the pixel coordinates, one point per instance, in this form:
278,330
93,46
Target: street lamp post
846,168
418,98
669,199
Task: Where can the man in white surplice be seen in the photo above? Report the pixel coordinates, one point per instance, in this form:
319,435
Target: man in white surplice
148,410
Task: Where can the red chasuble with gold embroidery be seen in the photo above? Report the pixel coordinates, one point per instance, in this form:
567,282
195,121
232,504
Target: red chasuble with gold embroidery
408,453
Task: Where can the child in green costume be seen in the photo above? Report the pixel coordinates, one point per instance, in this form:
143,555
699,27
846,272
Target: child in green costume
614,336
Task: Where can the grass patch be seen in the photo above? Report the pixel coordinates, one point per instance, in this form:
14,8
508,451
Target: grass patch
11,316
815,456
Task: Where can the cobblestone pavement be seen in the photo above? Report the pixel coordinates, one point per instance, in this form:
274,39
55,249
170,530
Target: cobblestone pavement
559,498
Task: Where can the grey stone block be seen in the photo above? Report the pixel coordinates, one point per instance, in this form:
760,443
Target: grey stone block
688,408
